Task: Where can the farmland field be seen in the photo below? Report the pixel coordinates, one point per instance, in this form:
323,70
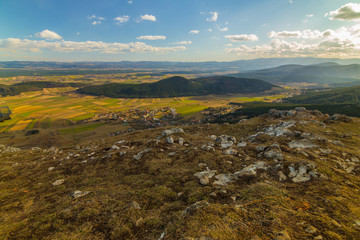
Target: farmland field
50,108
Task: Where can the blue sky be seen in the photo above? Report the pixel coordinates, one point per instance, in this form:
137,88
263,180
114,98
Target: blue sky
174,30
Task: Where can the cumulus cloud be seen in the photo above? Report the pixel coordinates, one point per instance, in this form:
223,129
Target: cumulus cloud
151,37
349,11
242,38
213,17
194,32
182,43
47,34
148,17
121,19
130,2
342,42
15,44
96,22
305,34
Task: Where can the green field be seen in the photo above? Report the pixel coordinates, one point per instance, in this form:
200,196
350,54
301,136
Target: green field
51,108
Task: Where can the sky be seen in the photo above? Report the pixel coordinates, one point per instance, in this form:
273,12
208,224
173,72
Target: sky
177,30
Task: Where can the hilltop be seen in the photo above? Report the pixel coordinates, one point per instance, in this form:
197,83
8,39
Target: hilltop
290,174
180,86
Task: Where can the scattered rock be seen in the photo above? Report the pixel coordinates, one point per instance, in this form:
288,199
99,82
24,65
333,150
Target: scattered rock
181,141
224,179
169,132
301,144
8,149
311,230
141,154
134,205
205,176
58,182
78,193
225,141
241,144
114,147
282,176
230,151
340,117
170,140
51,168
207,148
193,207
318,237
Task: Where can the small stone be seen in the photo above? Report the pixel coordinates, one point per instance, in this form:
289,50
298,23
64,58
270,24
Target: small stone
78,193
51,168
170,140
172,131
58,182
318,237
181,141
241,144
114,147
172,154
179,194
282,176
135,205
357,222
311,230
230,151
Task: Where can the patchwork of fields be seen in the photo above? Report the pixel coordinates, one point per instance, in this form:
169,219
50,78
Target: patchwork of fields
50,108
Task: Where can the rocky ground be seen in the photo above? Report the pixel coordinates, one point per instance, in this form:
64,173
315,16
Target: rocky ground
284,175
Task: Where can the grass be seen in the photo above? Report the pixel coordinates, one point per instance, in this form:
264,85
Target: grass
80,129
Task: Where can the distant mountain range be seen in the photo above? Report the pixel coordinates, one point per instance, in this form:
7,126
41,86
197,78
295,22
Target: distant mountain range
328,72
179,86
239,65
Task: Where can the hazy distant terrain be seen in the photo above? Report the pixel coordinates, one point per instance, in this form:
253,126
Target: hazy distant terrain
319,73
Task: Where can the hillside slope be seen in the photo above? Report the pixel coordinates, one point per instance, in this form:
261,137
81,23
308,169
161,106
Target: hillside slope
334,96
318,73
285,175
179,86
18,88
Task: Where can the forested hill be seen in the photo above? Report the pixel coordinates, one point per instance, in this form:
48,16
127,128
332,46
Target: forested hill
338,95
179,86
18,88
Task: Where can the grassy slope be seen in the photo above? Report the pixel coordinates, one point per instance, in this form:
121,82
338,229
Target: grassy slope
164,186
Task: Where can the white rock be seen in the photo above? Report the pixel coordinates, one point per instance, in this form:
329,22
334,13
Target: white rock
301,144
172,131
241,144
170,140
51,168
58,182
230,151
78,193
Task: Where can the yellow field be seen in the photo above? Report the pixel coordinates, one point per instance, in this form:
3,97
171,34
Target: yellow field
44,107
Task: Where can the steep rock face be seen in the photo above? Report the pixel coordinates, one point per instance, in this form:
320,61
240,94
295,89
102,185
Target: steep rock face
286,175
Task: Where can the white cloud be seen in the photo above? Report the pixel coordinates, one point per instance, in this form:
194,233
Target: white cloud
183,42
225,29
213,17
194,32
343,42
15,44
97,19
121,19
148,17
349,11
210,30
309,15
130,2
242,38
47,34
290,1
151,37
305,34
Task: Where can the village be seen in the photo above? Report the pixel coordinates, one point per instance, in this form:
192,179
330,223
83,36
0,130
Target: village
149,118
